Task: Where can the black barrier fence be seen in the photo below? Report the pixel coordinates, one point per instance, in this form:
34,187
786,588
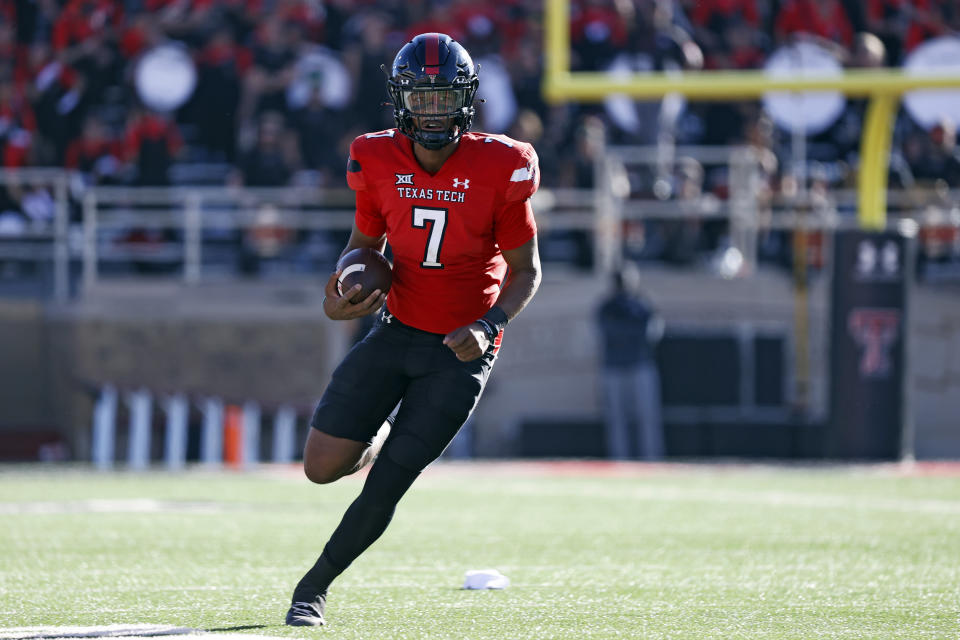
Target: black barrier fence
872,276
725,393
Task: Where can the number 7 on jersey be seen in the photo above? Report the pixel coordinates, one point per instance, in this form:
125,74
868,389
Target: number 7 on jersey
436,221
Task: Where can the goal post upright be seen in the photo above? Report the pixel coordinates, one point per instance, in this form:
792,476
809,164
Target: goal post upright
883,88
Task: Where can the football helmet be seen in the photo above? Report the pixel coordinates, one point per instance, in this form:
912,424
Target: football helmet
432,84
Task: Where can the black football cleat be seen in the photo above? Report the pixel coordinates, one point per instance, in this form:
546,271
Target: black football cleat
306,611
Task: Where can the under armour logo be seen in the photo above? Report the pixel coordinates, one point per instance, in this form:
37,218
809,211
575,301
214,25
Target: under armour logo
386,316
876,331
404,178
876,262
465,183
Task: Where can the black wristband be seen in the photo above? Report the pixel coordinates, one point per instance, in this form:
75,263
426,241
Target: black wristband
488,328
497,317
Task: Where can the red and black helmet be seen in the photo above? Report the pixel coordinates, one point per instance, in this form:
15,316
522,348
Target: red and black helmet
434,79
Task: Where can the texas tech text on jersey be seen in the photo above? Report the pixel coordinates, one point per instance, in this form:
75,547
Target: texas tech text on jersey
440,195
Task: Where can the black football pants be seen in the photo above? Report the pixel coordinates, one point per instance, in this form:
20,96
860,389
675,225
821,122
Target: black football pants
437,392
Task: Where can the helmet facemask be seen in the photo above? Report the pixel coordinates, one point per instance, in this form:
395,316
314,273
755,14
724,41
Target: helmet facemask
433,115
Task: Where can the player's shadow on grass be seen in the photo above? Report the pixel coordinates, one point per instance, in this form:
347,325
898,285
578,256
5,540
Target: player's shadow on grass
246,627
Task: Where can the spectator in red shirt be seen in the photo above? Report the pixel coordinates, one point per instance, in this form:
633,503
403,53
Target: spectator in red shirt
81,20
746,51
8,11
598,32
484,26
729,31
438,20
519,24
152,141
308,15
741,47
17,127
139,34
707,13
222,64
95,153
83,37
904,24
189,21
826,19
13,56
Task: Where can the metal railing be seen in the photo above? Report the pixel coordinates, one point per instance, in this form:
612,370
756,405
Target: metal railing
189,220
200,233
41,240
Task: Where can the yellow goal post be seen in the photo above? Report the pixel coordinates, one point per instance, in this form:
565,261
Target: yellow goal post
883,88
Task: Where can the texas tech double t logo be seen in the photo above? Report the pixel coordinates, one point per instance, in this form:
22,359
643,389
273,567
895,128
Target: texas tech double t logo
875,331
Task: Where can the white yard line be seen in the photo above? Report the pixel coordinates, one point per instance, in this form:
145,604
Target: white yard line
645,493
529,487
125,631
134,505
193,635
108,631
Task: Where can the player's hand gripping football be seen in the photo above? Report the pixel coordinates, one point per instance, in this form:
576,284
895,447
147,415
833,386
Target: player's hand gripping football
339,307
469,342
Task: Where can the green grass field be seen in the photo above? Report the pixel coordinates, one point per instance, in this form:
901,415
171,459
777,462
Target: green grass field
645,552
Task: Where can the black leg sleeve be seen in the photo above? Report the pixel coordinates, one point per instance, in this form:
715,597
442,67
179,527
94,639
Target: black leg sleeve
364,521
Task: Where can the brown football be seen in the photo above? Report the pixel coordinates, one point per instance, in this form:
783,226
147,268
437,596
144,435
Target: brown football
367,267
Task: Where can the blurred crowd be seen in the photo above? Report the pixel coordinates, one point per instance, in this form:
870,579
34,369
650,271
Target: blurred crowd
280,87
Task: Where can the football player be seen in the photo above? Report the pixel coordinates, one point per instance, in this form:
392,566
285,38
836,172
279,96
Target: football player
455,208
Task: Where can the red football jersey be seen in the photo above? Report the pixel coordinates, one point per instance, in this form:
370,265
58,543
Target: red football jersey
446,230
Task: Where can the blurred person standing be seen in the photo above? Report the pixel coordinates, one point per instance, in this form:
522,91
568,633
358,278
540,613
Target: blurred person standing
60,99
17,127
222,64
363,56
84,36
96,153
683,236
938,162
598,31
658,40
905,24
152,142
630,329
265,85
712,18
315,121
271,162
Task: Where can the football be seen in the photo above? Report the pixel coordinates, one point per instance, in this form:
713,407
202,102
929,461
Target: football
367,267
